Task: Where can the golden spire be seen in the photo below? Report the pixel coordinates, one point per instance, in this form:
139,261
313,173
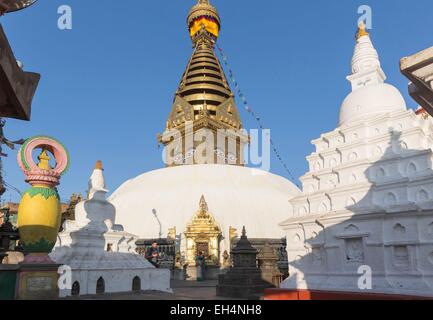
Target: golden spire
203,205
44,160
361,30
99,165
204,96
204,91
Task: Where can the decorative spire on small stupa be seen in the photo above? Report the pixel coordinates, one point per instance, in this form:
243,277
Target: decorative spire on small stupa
44,160
366,67
99,165
203,211
203,204
97,180
244,245
362,31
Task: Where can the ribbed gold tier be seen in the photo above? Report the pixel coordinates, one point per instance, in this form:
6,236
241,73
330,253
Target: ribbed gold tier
204,81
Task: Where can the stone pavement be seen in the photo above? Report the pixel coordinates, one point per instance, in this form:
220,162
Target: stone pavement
182,290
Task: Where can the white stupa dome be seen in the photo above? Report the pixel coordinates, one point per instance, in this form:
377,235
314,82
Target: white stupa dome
370,100
236,197
370,94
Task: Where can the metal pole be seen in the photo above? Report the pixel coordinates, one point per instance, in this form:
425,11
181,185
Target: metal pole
159,222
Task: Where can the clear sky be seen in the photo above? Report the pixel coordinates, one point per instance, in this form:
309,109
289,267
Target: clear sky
107,85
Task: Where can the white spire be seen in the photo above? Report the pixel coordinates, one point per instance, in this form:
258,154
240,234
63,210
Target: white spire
97,181
366,68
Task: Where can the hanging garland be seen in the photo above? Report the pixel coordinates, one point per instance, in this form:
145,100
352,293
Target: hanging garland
254,114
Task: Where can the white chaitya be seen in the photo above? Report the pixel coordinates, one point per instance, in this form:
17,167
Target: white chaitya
100,253
367,199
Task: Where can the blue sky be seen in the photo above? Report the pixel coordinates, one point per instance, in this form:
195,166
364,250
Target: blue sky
107,85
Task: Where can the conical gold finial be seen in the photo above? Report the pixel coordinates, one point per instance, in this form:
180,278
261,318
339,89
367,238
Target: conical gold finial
203,205
99,165
44,160
361,30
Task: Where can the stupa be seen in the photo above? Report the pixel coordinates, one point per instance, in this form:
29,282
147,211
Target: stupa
244,279
101,253
366,210
157,202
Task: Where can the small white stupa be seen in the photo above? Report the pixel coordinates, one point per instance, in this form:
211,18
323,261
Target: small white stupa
364,220
100,253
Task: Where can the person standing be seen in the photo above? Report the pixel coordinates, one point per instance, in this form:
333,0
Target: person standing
200,262
152,254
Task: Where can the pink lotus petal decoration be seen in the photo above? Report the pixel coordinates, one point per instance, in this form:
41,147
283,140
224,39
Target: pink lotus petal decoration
36,175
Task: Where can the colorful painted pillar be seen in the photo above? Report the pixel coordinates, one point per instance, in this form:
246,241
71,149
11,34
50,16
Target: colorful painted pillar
39,216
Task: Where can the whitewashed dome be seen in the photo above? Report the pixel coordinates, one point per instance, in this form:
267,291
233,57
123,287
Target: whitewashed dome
236,196
370,100
370,94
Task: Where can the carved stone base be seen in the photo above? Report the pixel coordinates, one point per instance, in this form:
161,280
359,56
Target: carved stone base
38,282
246,283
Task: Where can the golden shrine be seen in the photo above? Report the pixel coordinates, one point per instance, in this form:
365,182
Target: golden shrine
203,234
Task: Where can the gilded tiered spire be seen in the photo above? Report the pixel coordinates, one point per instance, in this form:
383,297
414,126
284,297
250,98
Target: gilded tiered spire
203,97
203,205
204,90
204,85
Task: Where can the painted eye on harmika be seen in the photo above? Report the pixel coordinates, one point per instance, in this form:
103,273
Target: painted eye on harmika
219,153
232,157
190,153
178,157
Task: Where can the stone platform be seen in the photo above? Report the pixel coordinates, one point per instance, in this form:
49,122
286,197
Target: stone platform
182,290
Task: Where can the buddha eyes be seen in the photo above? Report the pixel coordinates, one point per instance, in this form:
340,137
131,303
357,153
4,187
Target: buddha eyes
219,153
232,157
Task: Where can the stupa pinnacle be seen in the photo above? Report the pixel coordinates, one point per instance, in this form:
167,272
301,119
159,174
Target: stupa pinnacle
203,15
370,93
204,99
